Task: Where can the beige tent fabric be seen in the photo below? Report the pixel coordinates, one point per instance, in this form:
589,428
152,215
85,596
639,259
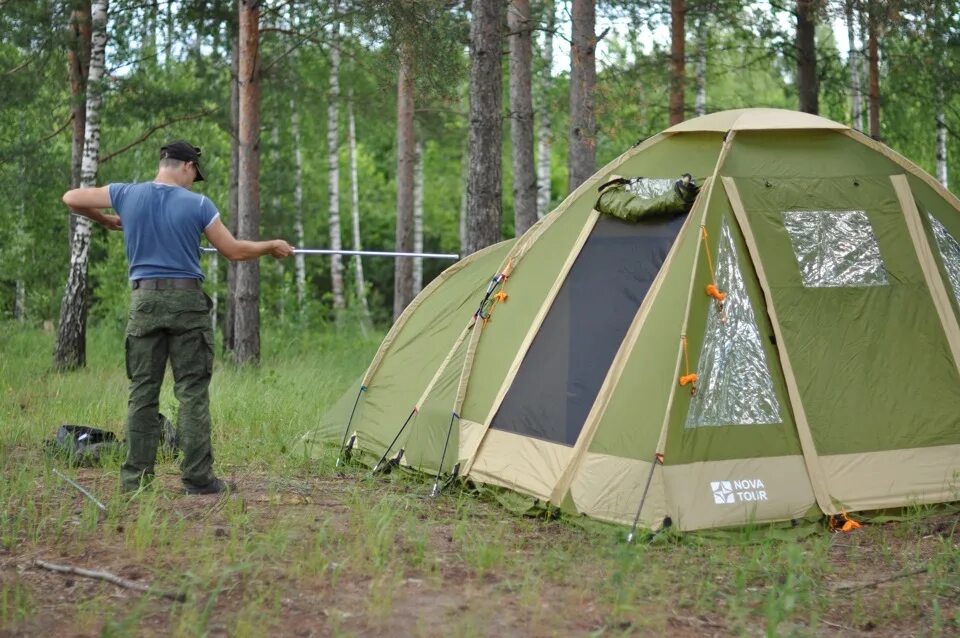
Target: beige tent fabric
755,120
529,465
762,489
876,480
609,488
941,298
817,476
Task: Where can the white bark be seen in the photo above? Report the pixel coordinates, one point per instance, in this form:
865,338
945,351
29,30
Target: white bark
71,336
299,262
544,128
853,62
213,270
333,159
418,219
355,217
700,69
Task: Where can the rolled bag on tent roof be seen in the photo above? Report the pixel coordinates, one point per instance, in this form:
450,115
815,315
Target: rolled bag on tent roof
639,198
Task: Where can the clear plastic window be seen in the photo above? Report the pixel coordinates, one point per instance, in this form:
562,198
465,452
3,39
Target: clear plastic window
835,248
949,253
734,385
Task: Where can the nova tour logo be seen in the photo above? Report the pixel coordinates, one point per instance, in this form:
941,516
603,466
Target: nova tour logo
741,491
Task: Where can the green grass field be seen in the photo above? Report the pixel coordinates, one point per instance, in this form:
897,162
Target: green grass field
303,549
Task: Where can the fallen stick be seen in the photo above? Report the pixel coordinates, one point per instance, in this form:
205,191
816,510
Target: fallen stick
103,508
874,583
110,578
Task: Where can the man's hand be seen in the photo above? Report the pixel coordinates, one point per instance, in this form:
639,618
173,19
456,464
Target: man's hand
111,222
280,249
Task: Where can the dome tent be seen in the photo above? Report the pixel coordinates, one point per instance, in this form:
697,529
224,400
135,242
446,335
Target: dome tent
828,378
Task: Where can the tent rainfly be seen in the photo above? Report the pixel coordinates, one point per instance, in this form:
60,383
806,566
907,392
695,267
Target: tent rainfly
586,364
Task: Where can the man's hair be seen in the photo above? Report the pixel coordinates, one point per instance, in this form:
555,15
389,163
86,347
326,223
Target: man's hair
169,162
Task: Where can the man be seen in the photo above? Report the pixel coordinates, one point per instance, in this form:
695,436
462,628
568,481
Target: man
169,313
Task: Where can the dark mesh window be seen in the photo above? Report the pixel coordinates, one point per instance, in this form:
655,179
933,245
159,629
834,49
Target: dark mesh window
562,372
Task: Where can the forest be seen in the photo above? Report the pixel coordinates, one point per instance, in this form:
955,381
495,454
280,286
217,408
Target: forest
416,126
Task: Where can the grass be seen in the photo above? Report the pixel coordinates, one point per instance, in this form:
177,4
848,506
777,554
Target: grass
305,549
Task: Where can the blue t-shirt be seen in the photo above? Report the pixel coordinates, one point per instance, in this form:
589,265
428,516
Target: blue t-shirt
162,225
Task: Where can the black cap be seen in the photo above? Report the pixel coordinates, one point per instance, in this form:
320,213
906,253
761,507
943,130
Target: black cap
185,152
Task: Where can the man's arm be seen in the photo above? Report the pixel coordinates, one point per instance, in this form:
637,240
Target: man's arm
241,250
88,202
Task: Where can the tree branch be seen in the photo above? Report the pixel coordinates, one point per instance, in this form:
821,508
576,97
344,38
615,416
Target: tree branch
152,130
110,578
57,132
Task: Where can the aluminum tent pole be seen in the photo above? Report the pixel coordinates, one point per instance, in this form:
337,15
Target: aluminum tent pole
362,253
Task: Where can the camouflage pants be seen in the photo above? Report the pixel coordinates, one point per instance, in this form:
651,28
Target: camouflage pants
169,325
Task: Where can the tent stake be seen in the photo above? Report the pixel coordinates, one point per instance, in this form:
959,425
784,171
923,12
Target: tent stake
436,483
636,519
390,447
346,430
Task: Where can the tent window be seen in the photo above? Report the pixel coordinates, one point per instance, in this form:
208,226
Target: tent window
734,385
949,253
835,248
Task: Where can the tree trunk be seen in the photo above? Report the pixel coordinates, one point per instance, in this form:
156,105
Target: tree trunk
299,262
418,219
20,237
853,62
169,36
71,349
583,78
807,56
521,116
873,59
700,82
544,127
406,159
678,10
355,217
333,165
484,192
78,58
230,320
941,135
464,181
247,325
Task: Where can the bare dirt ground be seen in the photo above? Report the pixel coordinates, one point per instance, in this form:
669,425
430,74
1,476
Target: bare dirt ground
323,557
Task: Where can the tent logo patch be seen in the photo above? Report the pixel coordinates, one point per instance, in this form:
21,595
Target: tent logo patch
739,491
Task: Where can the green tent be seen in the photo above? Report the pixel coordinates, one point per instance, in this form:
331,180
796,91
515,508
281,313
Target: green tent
585,363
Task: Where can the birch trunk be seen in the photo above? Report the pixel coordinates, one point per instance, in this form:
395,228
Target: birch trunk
678,11
521,116
873,61
406,158
700,69
418,219
247,324
230,320
333,162
71,349
355,218
806,49
941,135
276,212
544,127
298,260
583,79
853,62
484,190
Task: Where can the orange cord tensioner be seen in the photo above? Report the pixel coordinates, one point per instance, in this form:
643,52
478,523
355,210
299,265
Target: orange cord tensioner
712,291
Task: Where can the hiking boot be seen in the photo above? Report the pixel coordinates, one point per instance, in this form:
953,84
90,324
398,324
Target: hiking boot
216,486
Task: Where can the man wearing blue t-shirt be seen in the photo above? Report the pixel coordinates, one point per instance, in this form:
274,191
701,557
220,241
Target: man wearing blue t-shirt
169,313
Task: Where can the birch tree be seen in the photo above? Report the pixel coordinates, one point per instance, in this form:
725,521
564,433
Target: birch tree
71,348
701,35
299,262
247,320
583,78
484,192
678,11
544,126
853,64
361,286
333,167
520,30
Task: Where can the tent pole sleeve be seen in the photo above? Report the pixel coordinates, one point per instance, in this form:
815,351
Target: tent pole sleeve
811,459
346,430
928,264
390,447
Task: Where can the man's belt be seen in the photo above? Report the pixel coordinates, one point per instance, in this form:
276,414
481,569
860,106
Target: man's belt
165,284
